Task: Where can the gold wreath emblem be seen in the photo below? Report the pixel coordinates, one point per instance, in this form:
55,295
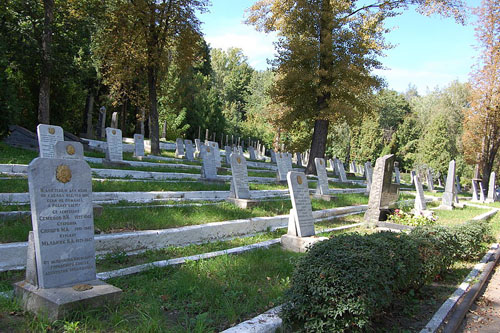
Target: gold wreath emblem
299,180
114,132
208,149
320,162
238,160
52,130
70,150
63,173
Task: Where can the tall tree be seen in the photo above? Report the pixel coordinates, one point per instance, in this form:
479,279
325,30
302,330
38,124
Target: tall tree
326,51
44,94
482,121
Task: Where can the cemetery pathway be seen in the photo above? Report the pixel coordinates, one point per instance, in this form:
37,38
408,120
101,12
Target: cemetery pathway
484,314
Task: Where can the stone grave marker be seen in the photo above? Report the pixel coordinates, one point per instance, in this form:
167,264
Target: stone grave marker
216,152
412,176
369,176
430,181
450,189
383,193
420,204
475,190
197,150
240,191
208,169
481,192
334,167
273,157
101,123
138,145
114,120
48,136
189,150
228,151
301,233
61,273
299,159
179,148
251,152
322,188
114,151
457,181
69,150
342,174
281,162
492,194
397,174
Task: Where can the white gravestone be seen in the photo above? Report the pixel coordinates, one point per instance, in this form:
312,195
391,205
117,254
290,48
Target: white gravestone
397,174
475,190
197,143
115,146
228,151
282,167
179,148
239,180
138,145
420,204
273,157
188,144
492,194
481,192
450,189
412,176
114,120
430,181
342,175
69,150
48,136
322,184
334,167
208,169
369,175
214,146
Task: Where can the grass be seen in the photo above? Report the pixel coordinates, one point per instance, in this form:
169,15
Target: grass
146,218
457,215
11,155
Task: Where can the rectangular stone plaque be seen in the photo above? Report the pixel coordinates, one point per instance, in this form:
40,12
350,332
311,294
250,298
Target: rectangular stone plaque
69,150
301,203
139,145
179,147
239,176
48,136
62,217
115,145
322,187
189,150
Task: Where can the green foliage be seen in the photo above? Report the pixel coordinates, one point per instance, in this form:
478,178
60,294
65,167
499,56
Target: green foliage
343,283
408,137
413,220
367,140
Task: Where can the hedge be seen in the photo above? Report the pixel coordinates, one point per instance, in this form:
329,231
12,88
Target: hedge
341,284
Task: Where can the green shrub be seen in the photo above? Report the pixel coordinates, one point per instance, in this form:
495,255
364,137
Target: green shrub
343,282
472,238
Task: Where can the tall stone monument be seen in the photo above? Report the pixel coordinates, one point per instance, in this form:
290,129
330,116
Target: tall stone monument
139,145
420,204
369,177
114,120
450,190
383,193
397,174
301,233
492,194
430,181
322,187
61,273
48,136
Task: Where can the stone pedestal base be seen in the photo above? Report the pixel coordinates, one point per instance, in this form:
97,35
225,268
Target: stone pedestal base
243,203
299,244
324,197
445,207
109,163
55,303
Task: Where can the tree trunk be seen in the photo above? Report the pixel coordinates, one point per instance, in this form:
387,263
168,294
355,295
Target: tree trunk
87,115
318,144
153,112
44,93
123,117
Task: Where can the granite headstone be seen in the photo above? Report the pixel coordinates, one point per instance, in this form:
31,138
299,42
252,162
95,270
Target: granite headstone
114,151
48,136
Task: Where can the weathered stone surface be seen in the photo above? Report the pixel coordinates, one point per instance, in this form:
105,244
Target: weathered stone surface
420,204
340,167
214,146
322,184
492,194
383,193
369,176
397,174
48,136
475,189
188,145
179,148
298,157
62,217
301,222
239,180
139,145
69,150
114,120
114,151
299,244
209,168
101,123
412,176
430,180
228,151
450,189
273,156
251,152
283,166
197,143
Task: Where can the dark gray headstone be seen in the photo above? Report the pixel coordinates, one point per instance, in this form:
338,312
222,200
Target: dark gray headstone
62,217
48,136
383,193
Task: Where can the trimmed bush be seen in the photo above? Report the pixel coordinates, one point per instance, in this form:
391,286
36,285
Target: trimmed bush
343,283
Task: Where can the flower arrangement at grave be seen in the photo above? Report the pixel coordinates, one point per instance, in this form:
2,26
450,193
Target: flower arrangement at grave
401,217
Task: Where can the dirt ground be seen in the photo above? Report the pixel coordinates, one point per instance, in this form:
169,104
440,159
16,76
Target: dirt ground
484,315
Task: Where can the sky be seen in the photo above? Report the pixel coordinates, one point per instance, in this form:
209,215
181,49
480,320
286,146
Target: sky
429,52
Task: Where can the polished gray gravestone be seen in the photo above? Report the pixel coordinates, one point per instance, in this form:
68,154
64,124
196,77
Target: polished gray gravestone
369,176
449,194
251,152
342,174
114,151
69,150
322,188
114,120
208,168
492,194
383,193
240,191
138,145
188,144
301,232
61,273
48,136
179,148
